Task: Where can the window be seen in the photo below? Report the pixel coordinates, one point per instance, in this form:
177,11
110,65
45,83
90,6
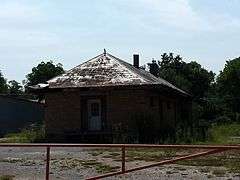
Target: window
152,102
95,109
168,105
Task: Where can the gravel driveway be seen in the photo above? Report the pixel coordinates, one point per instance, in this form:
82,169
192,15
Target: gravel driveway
79,163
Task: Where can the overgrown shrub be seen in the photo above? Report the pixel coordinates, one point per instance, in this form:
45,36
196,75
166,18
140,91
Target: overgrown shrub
148,128
34,133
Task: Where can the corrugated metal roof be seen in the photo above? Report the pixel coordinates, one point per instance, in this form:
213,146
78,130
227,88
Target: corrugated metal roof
106,70
20,98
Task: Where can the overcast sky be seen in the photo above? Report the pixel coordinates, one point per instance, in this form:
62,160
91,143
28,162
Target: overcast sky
73,31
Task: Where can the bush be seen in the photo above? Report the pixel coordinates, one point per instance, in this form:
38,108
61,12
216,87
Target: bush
34,133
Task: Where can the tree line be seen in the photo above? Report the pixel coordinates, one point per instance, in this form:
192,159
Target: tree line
39,74
216,98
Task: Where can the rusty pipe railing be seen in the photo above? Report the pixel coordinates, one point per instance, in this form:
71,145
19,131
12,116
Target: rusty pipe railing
211,149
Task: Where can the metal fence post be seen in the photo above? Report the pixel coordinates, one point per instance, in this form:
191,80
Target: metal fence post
123,159
47,162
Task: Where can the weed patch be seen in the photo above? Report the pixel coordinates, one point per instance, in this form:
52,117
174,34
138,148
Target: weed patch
219,172
32,134
6,177
79,163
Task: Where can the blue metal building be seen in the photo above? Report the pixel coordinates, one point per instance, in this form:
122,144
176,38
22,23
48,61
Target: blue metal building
17,113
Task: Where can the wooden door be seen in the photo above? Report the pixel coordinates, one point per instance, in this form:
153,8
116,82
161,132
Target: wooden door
94,115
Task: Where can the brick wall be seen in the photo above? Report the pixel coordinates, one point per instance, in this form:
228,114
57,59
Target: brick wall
64,110
123,107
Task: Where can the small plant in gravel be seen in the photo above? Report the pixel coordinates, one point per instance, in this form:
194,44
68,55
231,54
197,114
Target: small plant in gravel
6,177
180,168
108,156
209,176
149,154
11,160
89,163
219,172
170,172
204,170
114,154
96,153
73,163
101,168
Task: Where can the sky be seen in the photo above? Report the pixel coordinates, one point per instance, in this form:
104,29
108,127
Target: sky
71,32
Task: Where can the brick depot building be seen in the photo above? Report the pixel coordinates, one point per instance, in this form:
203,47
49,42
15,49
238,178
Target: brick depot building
106,99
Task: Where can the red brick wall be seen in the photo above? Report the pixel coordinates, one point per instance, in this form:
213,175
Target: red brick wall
64,112
123,106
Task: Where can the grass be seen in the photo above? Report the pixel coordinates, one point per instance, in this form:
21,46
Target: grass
22,162
223,134
219,172
95,153
71,163
132,154
32,134
205,170
149,154
99,167
6,177
11,160
209,176
229,160
179,168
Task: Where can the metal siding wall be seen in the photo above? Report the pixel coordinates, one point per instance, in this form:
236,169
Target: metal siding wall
16,114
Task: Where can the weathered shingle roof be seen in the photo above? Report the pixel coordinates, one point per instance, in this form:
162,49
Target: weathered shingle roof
106,70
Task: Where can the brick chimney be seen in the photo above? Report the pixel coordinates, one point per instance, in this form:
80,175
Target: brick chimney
136,60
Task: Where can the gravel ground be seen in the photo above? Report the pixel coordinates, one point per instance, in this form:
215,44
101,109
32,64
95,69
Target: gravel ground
79,163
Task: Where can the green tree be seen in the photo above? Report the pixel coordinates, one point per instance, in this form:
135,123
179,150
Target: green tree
200,78
228,88
43,72
194,79
3,84
14,87
191,77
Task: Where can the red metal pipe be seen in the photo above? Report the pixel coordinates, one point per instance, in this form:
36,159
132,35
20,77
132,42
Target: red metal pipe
123,159
47,162
126,146
159,163
177,159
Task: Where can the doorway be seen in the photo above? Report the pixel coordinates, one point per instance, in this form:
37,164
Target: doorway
94,115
